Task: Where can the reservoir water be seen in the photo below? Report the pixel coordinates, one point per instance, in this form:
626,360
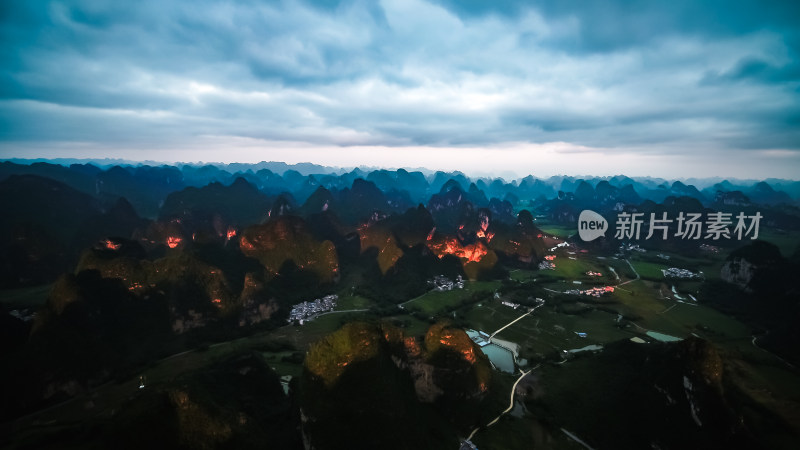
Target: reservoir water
662,337
501,358
592,347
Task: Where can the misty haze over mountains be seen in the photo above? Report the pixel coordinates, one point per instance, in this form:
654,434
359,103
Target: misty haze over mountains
272,177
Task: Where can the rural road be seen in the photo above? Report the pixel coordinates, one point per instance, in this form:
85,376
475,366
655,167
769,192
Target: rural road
511,402
515,320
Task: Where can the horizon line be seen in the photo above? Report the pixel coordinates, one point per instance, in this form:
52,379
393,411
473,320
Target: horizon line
64,161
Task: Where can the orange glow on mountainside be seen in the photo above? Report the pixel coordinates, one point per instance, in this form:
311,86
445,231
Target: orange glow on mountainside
246,245
111,245
173,241
450,246
488,235
412,346
469,352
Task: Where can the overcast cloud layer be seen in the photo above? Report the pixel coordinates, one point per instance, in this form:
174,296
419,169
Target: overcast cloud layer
687,87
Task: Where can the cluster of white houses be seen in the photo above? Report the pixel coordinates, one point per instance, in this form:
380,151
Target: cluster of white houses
674,272
593,292
442,283
306,311
629,248
24,315
547,265
709,248
511,304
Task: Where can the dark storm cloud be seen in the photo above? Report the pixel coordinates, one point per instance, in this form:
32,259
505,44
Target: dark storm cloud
605,25
758,71
651,75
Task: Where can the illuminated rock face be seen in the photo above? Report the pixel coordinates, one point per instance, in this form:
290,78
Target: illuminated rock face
117,258
388,251
287,239
521,243
475,257
236,402
449,340
485,235
483,217
111,245
441,337
412,347
257,305
477,240
171,233
444,353
173,241
368,384
353,343
194,291
451,246
703,360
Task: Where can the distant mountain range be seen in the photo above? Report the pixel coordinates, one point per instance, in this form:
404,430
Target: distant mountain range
153,182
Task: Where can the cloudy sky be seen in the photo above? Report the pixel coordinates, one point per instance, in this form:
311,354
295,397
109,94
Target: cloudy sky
672,88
